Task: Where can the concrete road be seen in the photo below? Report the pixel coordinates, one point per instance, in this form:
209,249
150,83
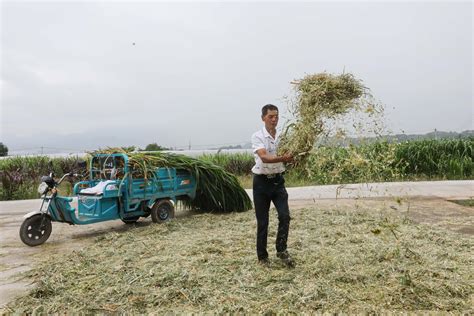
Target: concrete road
449,190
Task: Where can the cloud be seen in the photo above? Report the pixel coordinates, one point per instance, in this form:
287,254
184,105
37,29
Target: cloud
200,73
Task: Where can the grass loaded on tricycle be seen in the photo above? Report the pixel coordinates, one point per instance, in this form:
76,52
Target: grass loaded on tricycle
114,191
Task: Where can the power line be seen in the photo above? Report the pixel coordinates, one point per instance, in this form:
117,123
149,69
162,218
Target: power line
188,147
45,147
212,145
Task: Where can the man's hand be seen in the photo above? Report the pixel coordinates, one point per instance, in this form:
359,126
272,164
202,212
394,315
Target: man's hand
287,158
267,158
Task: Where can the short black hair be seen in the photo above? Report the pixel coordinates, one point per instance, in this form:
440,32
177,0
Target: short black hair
268,107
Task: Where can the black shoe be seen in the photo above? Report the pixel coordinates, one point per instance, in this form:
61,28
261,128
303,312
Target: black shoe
286,258
264,262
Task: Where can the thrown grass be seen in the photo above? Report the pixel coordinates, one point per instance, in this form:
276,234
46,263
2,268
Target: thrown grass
350,261
320,97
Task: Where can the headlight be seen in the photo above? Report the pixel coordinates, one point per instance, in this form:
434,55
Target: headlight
42,188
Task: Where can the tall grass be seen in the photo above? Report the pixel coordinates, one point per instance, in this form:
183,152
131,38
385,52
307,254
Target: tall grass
352,164
383,161
450,159
21,175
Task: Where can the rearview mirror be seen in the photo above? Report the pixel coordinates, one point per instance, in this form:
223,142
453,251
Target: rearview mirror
49,181
81,164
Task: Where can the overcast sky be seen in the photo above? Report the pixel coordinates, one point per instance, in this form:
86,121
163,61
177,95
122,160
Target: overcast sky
95,74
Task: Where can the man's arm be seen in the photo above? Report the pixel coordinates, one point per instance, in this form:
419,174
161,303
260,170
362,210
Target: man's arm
268,158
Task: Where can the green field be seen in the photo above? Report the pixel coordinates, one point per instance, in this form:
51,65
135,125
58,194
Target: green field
449,159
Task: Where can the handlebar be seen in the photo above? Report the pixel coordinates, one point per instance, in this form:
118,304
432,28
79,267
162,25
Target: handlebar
69,174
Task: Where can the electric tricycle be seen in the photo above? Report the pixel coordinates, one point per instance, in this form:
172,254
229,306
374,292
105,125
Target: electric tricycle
113,191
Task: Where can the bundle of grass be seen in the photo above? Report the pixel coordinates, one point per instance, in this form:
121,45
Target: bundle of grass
217,190
320,97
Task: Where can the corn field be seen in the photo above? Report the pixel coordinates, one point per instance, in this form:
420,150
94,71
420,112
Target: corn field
371,162
385,161
452,159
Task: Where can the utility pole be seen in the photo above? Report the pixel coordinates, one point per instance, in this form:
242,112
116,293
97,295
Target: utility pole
189,147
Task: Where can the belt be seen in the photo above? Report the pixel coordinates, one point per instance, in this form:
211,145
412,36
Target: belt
270,176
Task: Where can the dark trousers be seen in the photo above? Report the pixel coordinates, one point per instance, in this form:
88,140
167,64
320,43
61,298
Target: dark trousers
266,190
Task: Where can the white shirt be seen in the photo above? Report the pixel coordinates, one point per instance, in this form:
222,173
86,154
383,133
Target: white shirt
262,139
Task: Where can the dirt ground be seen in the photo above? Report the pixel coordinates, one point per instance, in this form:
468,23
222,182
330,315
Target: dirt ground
15,257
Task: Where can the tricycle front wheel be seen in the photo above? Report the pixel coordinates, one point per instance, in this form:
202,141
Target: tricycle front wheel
162,211
35,230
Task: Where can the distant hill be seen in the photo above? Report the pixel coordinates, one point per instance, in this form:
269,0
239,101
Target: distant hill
433,135
232,147
398,138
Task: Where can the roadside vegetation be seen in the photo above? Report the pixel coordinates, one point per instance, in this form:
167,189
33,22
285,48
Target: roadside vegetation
20,176
448,159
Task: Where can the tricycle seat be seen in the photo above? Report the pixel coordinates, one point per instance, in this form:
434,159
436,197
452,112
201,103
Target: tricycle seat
100,187
89,194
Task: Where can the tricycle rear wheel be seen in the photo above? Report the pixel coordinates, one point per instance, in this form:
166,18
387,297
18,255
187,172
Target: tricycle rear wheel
162,211
35,230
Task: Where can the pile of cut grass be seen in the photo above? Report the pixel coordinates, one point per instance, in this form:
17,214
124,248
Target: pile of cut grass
358,261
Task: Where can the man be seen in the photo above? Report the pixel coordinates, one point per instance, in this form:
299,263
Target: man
269,186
